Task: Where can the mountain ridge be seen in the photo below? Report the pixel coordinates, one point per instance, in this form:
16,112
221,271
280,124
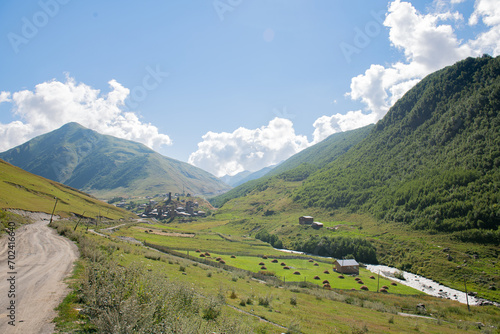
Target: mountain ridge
107,166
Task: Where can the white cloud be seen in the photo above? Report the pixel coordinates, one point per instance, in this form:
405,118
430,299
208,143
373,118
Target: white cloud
328,125
54,103
248,149
4,97
488,12
427,43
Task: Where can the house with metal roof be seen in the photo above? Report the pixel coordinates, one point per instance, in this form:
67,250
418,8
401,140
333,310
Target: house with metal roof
350,266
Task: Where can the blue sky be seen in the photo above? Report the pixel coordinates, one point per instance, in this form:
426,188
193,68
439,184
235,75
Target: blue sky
227,85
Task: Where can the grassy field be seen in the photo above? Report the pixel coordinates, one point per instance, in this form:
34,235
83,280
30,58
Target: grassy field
296,308
311,271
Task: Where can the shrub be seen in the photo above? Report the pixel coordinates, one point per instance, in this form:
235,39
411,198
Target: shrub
311,260
264,301
361,282
399,275
385,287
222,262
394,284
261,263
326,286
296,273
364,287
357,279
233,295
316,277
383,290
326,272
274,261
283,264
293,300
198,251
263,268
264,257
286,267
372,277
341,277
326,282
202,255
316,264
212,309
233,257
209,274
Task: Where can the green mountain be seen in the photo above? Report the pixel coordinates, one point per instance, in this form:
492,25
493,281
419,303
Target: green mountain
106,166
302,164
246,176
22,190
433,162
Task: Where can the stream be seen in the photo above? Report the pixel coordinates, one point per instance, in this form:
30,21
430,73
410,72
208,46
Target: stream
418,282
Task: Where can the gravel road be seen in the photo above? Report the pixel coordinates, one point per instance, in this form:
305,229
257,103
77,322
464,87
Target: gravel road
42,260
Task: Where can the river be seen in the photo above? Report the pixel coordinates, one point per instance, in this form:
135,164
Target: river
418,282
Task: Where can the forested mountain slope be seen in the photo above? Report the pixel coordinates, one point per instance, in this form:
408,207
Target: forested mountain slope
432,162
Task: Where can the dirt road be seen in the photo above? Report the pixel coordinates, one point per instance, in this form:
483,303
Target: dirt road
42,260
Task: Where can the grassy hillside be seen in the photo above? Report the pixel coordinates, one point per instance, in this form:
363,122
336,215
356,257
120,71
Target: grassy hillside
25,191
106,166
301,165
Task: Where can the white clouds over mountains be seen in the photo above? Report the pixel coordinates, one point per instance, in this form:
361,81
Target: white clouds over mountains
245,149
427,42
54,103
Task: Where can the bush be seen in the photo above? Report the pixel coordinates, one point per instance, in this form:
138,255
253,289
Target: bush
265,301
293,300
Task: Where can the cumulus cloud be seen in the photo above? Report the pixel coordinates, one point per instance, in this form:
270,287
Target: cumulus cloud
328,125
4,97
428,43
248,149
53,103
488,12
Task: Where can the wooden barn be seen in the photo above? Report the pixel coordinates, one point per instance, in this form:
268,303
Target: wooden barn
306,220
346,266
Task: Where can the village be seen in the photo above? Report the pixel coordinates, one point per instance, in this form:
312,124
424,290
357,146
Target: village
166,206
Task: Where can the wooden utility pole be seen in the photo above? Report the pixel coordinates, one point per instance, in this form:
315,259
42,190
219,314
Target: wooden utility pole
378,281
53,210
466,295
79,221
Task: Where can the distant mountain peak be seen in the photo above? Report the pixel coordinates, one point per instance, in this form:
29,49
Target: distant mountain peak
106,166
